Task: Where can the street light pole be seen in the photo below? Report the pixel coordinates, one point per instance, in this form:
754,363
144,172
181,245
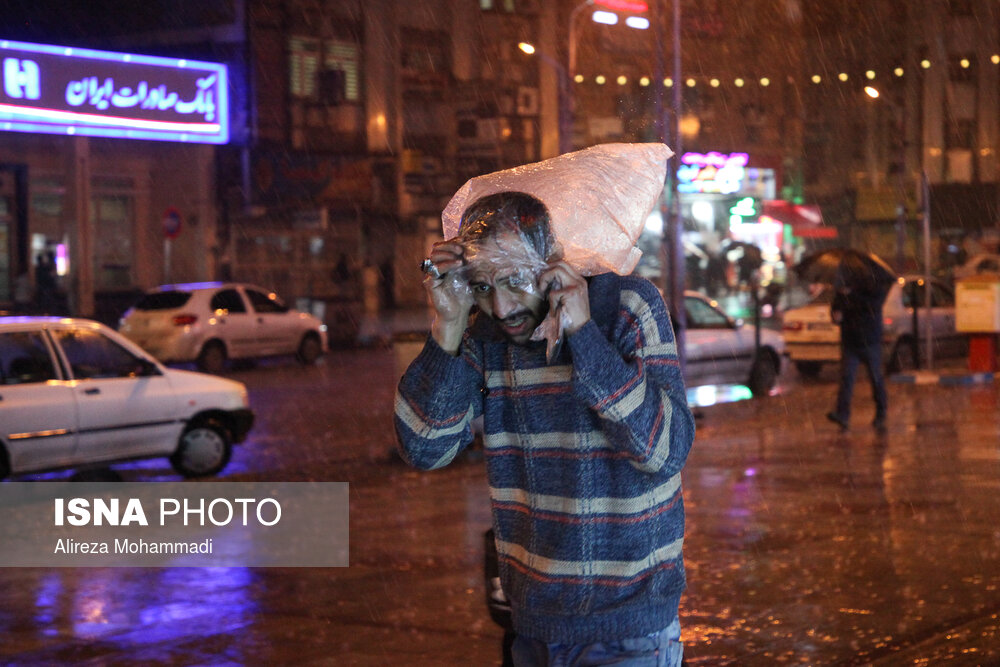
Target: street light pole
672,252
564,94
574,15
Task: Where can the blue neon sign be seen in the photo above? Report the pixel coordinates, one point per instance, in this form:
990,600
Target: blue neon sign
73,91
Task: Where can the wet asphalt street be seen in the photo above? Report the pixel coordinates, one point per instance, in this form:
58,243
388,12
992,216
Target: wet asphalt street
804,546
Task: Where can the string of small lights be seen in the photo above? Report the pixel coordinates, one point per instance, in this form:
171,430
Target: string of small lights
764,82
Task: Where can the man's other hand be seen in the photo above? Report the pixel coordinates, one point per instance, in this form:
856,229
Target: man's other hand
567,290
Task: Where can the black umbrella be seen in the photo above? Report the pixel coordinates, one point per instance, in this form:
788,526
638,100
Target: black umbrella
858,270
750,250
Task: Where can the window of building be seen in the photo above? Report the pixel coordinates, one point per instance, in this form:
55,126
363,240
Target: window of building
507,6
960,7
340,70
325,70
113,216
424,55
303,63
960,134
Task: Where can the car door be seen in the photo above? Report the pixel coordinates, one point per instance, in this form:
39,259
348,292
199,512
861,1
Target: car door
37,408
947,341
277,331
941,316
234,323
716,349
125,405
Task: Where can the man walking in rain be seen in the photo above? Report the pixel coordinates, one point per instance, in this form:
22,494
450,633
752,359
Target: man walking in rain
859,314
586,434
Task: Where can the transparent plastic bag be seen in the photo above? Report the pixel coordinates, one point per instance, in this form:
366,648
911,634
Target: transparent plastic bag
598,200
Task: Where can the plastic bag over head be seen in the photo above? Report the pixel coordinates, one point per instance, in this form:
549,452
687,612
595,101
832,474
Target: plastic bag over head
597,200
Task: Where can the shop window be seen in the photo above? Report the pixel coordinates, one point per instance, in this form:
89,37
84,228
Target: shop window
112,216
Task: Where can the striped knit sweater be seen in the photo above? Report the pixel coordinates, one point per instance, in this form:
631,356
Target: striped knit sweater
583,460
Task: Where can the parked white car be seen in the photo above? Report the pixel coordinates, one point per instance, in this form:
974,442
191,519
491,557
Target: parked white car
812,339
721,350
977,264
75,393
209,323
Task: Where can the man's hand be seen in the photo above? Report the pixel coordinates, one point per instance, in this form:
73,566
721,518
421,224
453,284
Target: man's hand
567,290
450,296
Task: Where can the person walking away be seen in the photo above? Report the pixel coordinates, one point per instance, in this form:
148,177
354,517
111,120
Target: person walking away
45,284
859,314
583,454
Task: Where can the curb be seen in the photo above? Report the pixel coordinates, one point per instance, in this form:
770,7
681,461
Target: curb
945,378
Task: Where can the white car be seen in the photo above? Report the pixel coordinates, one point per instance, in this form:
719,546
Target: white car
812,339
208,323
721,350
75,393
977,264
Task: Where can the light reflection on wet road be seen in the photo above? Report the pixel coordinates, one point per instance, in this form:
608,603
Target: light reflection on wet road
804,546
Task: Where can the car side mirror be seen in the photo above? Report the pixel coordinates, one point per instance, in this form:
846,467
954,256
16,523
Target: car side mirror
146,368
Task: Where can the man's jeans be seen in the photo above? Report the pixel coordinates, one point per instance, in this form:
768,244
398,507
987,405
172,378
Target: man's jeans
660,649
850,357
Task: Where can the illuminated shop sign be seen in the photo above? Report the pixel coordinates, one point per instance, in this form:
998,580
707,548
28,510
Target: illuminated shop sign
72,91
743,210
712,173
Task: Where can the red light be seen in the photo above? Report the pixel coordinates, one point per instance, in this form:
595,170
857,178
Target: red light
635,6
184,320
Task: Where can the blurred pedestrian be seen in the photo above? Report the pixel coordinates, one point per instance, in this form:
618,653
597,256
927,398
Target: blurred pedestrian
716,274
859,314
46,288
584,454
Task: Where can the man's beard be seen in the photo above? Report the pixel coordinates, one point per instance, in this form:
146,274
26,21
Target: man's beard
518,326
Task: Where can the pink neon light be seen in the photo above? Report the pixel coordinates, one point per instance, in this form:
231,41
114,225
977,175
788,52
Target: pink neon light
624,5
31,113
715,159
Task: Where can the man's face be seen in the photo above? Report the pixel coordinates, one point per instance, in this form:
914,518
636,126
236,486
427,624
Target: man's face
503,276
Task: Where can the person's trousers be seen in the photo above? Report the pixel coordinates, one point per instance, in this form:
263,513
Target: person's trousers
850,357
660,649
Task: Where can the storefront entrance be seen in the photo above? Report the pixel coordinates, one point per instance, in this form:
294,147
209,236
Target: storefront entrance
14,267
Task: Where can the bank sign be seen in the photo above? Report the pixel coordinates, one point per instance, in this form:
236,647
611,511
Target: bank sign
74,91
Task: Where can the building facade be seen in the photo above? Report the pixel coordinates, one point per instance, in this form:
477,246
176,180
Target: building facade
352,122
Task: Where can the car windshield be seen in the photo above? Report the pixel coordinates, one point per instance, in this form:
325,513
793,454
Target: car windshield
163,300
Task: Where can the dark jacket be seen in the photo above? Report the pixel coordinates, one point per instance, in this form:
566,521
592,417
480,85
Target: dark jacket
859,313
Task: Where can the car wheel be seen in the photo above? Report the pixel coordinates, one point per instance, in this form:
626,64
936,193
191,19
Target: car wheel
212,358
763,375
809,369
4,462
903,357
310,349
203,449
